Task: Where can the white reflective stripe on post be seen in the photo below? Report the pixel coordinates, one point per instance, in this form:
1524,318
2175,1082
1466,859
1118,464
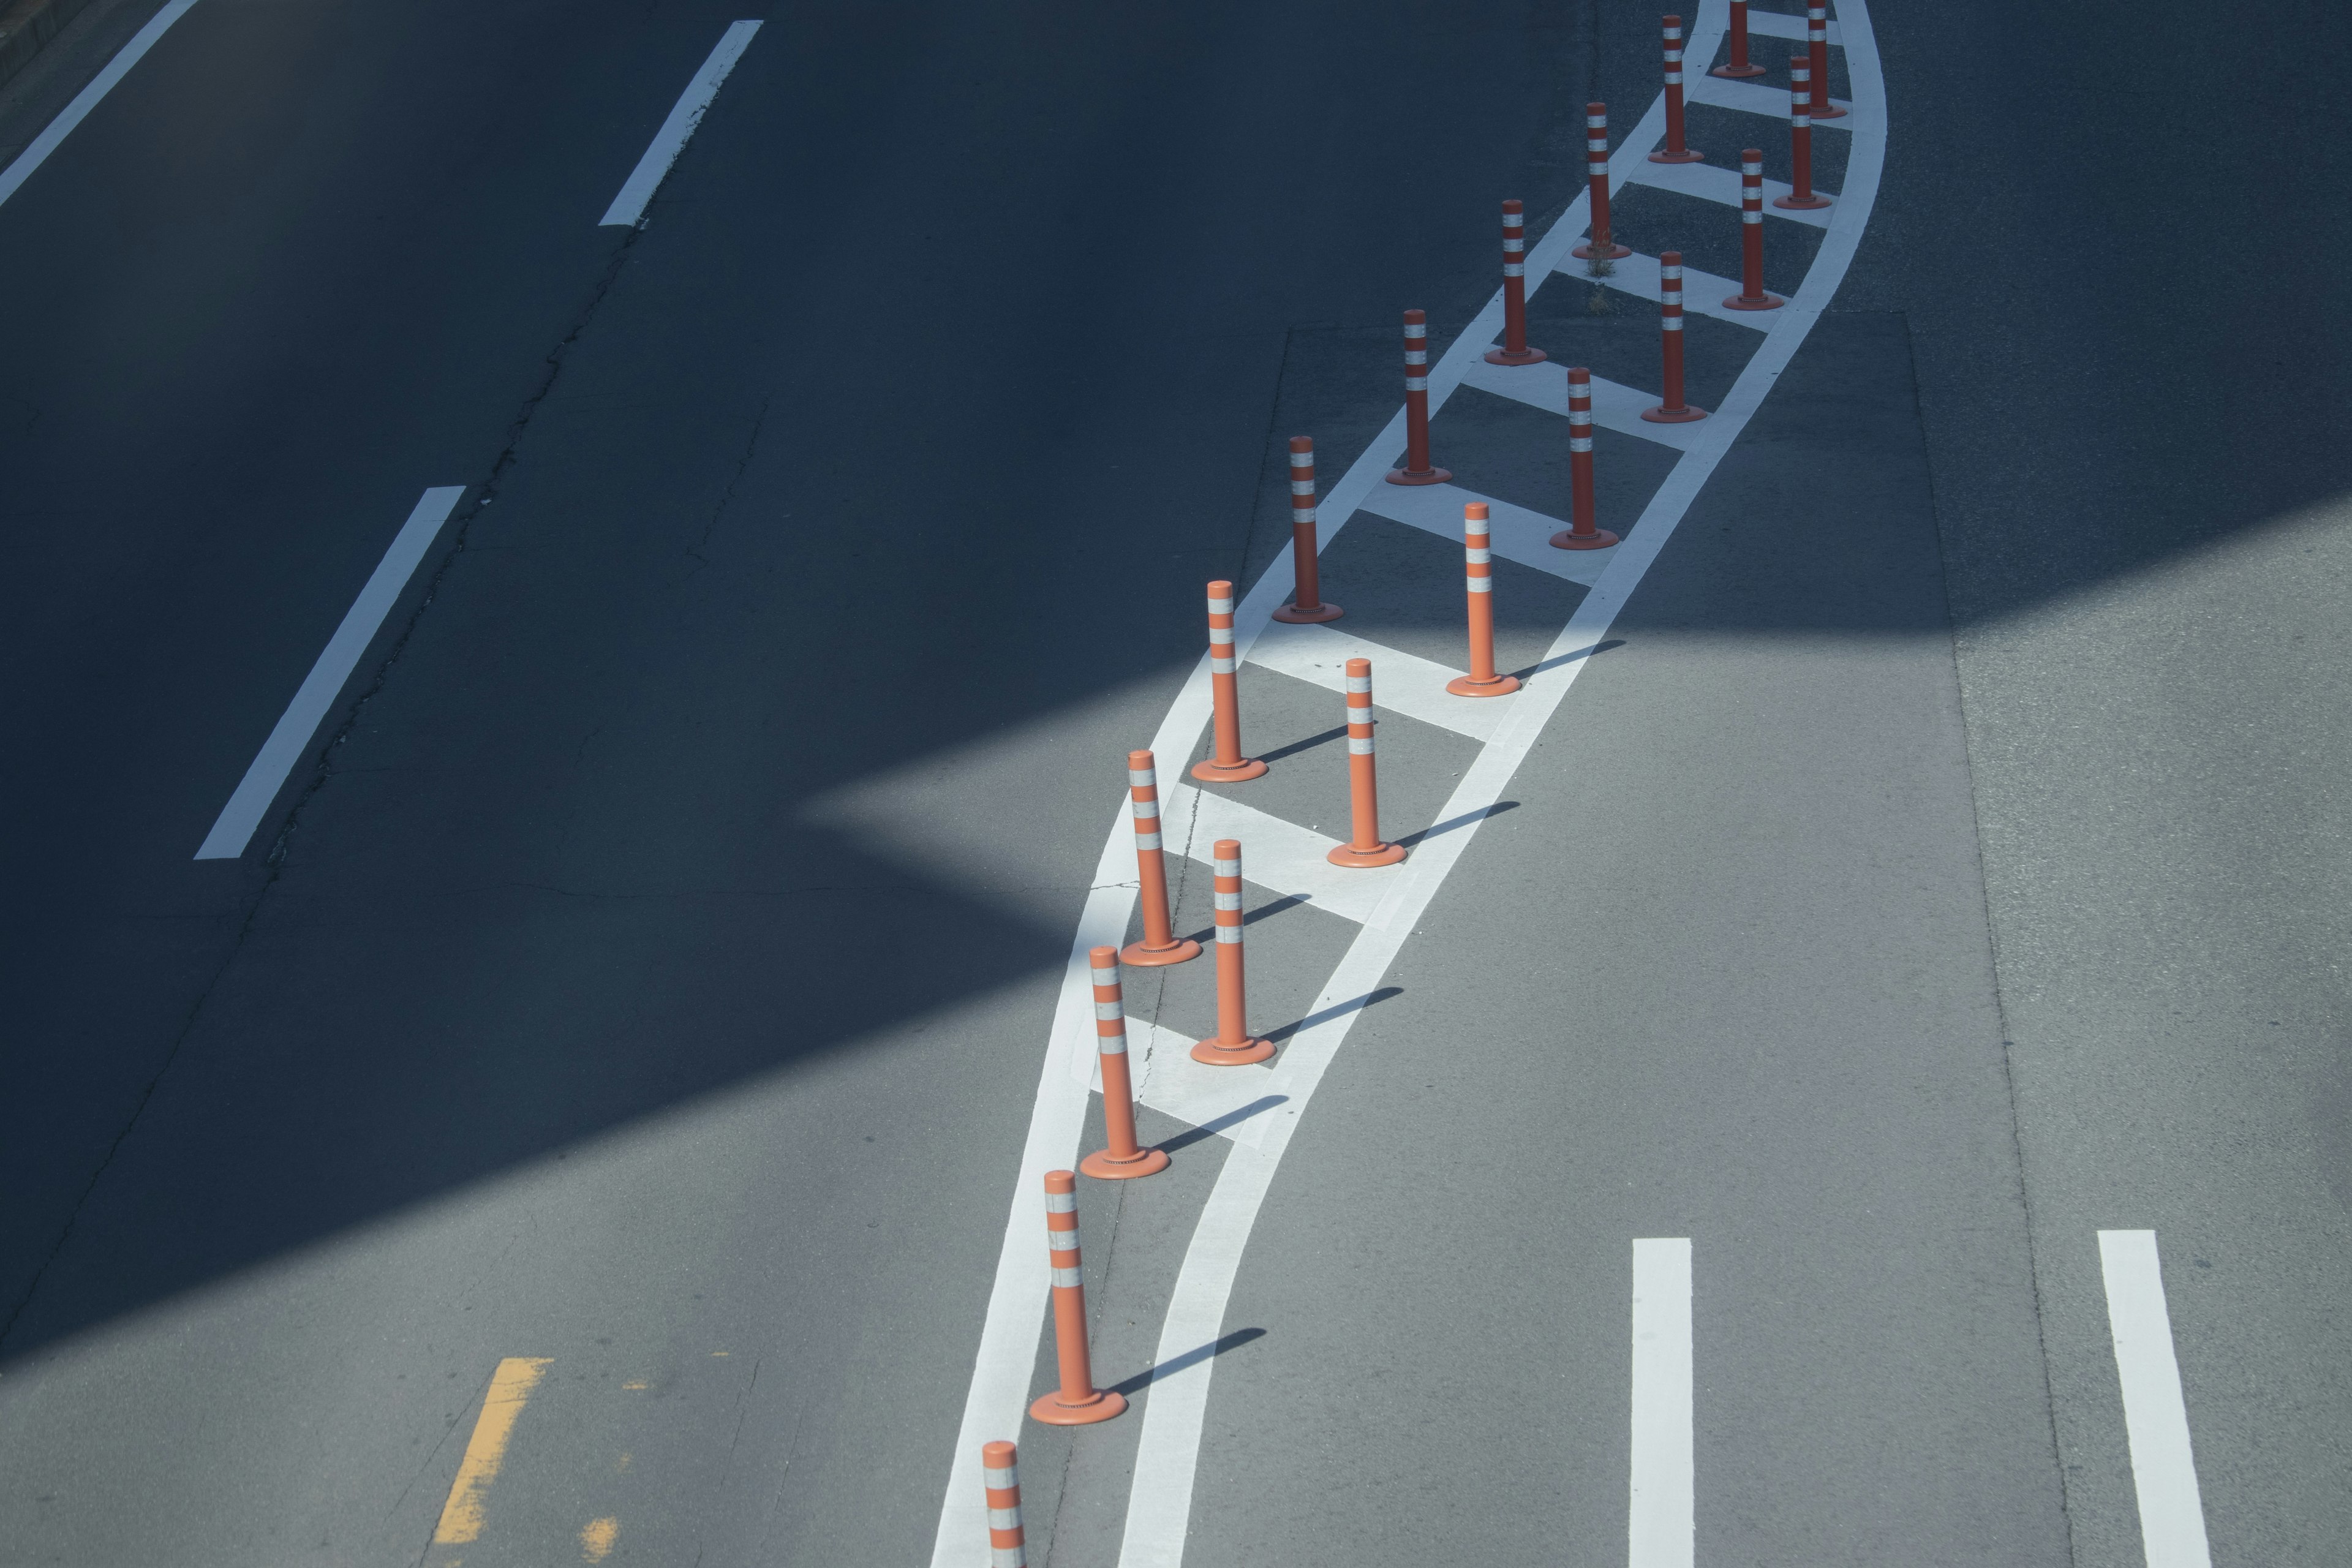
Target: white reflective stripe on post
1416,383
1360,745
1147,841
1514,270
1060,1203
1302,487
1108,1012
1221,666
1672,324
1229,900
1060,1241
1580,443
1226,867
1142,809
1221,606
1479,554
1002,1518
1229,933
1482,584
1359,683
1067,1279
1143,778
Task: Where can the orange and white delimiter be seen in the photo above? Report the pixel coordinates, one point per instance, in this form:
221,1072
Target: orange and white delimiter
1478,565
1235,1045
999,1473
1125,1157
1364,847
1161,944
1077,1402
1225,763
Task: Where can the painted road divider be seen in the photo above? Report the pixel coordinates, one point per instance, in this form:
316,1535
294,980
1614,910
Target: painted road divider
1125,1158
1514,349
1307,605
1418,470
1478,565
1077,1402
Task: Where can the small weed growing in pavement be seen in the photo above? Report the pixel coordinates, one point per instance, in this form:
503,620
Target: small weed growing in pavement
1599,304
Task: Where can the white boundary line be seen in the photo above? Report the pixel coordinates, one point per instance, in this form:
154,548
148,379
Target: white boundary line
1160,1508
74,114
1661,1515
628,208
267,777
2155,1417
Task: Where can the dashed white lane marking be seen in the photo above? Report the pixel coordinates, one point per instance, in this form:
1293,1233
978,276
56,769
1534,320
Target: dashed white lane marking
1401,682
74,114
1708,183
628,208
1158,1508
1748,98
1519,534
1660,1523
234,829
1616,405
2156,1417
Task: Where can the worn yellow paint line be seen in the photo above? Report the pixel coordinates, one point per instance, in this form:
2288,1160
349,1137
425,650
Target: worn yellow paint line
486,1451
596,1540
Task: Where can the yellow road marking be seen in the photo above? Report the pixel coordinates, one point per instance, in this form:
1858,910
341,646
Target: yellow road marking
486,1451
597,1537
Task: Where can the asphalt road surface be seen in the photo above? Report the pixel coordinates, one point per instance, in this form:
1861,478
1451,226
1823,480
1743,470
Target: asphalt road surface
578,1123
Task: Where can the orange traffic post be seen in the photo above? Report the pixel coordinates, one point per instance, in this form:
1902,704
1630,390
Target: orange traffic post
1674,151
1307,605
1580,533
1801,196
1672,409
1817,60
1125,1157
1514,349
999,1473
1225,763
1478,561
1739,66
1234,1045
1161,944
1596,172
1077,1402
1418,470
1365,847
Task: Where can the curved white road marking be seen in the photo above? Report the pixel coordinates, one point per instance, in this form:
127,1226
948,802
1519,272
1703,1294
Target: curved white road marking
1160,1506
2155,1417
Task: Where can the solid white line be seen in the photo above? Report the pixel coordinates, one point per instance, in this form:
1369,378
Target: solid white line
58,130
263,780
628,208
1660,1525
1402,683
2156,1417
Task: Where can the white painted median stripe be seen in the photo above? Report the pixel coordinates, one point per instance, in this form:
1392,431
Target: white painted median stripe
2156,1417
1159,1506
74,114
1659,1531
263,780
628,208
